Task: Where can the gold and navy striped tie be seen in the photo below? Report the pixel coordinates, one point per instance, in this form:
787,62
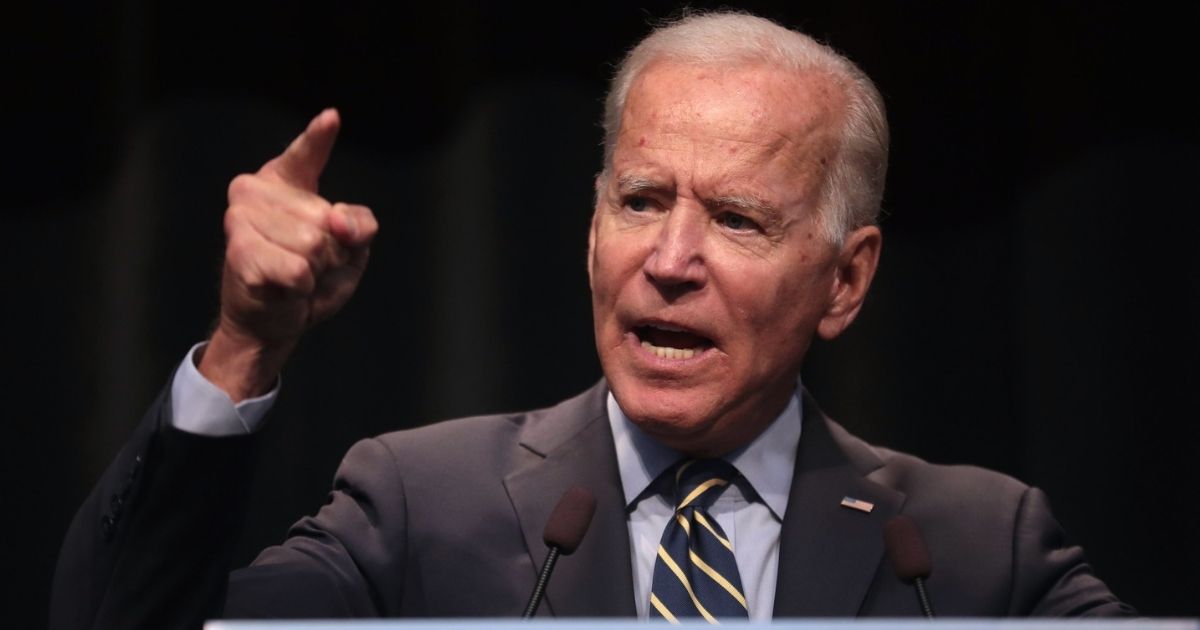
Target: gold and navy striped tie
696,574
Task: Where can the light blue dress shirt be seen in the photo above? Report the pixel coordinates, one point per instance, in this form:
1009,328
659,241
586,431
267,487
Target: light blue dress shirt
750,511
198,406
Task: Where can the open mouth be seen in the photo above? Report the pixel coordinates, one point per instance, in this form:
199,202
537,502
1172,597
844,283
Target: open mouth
669,342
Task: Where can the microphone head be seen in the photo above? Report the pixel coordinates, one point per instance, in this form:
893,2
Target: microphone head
906,548
570,519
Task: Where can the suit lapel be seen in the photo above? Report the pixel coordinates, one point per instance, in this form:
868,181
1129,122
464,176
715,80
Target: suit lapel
571,445
828,553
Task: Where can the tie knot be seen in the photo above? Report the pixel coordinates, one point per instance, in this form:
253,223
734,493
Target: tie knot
698,482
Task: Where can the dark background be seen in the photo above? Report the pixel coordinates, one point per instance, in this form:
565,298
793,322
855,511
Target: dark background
1036,309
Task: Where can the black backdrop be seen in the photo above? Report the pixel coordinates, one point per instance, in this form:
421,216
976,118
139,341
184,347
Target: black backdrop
1035,311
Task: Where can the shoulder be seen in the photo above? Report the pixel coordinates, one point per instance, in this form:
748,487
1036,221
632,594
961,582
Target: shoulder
924,482
980,523
491,442
929,485
942,497
966,513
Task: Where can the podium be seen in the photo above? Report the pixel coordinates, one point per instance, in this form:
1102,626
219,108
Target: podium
783,624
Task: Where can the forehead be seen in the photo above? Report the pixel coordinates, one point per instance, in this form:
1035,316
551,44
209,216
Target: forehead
747,122
752,92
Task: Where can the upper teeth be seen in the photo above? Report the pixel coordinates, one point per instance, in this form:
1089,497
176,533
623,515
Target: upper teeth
668,328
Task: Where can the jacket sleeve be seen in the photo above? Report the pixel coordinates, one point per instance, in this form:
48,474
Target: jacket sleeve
1051,578
152,544
349,560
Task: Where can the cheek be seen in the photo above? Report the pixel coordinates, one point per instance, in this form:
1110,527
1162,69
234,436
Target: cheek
780,304
609,272
602,272
615,259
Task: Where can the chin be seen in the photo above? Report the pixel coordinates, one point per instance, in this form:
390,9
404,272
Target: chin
672,416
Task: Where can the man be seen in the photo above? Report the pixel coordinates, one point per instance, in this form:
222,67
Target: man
734,221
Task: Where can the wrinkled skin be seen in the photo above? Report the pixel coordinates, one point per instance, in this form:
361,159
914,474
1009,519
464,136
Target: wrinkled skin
706,242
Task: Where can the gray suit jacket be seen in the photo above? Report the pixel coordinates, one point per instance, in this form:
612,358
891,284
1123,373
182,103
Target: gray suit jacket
446,520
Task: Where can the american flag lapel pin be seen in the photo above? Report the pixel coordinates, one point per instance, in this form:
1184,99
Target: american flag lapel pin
857,504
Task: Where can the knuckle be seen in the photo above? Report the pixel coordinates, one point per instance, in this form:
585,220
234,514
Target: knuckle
240,219
251,277
320,208
247,274
234,216
239,259
308,239
235,250
297,274
241,186
310,209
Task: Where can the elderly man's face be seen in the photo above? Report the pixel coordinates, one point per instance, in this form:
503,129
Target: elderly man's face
709,274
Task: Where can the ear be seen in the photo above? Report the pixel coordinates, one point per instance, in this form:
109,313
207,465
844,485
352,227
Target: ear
856,265
591,252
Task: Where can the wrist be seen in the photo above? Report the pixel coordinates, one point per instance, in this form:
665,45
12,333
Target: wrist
241,365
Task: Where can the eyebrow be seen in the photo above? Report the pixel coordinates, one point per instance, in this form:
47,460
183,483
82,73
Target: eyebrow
749,203
636,184
746,202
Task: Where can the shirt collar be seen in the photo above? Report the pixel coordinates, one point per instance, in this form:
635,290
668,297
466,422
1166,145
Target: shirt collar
767,462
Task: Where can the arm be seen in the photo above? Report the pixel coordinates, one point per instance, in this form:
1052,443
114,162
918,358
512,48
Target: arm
150,546
343,562
292,259
1051,578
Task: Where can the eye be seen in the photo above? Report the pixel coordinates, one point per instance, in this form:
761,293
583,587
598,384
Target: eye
737,222
637,204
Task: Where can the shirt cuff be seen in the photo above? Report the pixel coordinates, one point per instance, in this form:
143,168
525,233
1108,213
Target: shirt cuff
198,406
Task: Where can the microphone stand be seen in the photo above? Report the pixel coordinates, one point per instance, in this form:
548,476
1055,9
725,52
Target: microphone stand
539,589
922,597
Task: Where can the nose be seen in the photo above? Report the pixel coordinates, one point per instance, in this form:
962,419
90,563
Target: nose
677,261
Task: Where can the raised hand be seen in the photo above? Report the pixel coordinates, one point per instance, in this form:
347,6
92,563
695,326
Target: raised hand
292,259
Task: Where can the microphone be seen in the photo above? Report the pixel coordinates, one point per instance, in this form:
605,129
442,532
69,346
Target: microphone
909,555
564,530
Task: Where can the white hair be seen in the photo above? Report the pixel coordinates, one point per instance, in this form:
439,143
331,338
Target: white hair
853,188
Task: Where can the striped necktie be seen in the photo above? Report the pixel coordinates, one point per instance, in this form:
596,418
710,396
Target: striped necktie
696,574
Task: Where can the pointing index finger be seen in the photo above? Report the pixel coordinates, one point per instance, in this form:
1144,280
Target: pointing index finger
302,162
